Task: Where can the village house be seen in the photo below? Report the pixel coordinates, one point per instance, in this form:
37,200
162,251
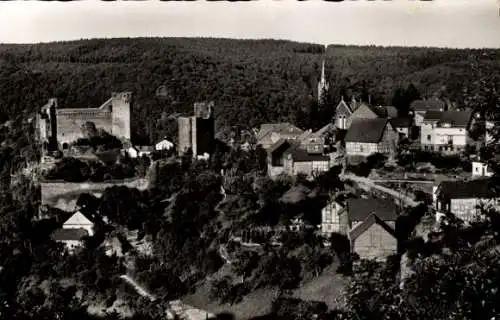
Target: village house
402,125
371,225
275,159
309,153
369,136
419,107
445,131
481,169
74,230
373,239
464,199
298,160
331,216
164,145
270,133
139,151
343,113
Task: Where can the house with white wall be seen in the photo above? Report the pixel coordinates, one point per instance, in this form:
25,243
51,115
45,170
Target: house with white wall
369,136
74,230
464,199
445,131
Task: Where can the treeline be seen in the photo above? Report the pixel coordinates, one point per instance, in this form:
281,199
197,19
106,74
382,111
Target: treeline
256,80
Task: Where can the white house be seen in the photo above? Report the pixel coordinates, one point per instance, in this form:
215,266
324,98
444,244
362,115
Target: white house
445,131
77,227
137,152
79,221
464,198
331,219
481,169
164,145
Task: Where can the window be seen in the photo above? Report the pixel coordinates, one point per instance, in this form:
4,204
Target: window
360,148
428,137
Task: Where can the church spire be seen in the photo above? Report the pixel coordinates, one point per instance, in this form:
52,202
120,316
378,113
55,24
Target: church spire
323,85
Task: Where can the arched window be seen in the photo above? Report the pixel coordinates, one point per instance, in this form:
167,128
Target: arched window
65,146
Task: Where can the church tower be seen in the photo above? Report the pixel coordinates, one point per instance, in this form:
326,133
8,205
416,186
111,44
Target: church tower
323,85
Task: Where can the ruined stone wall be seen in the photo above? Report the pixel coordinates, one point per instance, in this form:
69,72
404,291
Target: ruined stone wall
185,132
69,123
63,195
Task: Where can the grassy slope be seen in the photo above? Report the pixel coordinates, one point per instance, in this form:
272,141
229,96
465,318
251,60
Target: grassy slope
327,288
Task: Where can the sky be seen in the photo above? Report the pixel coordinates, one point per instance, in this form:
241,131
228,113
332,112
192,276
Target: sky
438,23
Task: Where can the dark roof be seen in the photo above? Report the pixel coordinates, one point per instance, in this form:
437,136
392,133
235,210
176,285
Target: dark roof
455,118
282,128
360,209
367,223
342,103
300,155
278,144
366,130
424,105
400,122
433,115
478,188
69,234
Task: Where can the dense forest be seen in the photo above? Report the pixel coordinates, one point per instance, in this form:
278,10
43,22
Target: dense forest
256,80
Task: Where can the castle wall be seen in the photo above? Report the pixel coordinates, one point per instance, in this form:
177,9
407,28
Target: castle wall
66,124
69,124
184,124
63,195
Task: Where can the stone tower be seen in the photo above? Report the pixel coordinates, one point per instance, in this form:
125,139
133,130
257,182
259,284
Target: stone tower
198,131
121,114
323,85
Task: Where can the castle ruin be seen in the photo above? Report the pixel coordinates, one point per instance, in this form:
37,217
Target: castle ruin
58,128
197,133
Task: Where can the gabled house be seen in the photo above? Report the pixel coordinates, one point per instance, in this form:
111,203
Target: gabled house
74,230
371,225
270,133
368,136
364,111
297,160
275,157
343,114
358,209
464,198
445,131
373,239
420,107
333,219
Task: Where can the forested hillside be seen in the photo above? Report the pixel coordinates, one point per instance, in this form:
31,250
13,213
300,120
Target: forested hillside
254,80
